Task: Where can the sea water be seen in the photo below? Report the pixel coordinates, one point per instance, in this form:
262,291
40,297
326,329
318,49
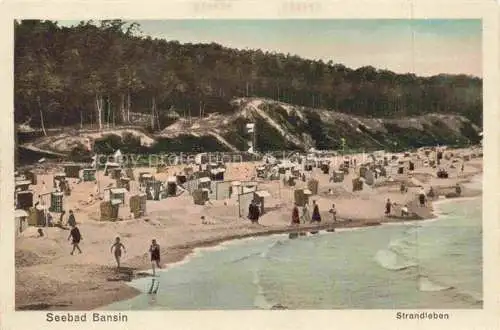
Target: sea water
423,264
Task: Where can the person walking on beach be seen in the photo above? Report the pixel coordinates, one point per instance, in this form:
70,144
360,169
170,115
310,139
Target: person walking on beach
388,206
333,212
305,213
71,219
421,197
118,246
253,212
316,216
154,250
295,215
75,237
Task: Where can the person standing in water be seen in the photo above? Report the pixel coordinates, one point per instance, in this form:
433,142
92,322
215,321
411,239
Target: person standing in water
316,216
118,246
295,215
388,206
76,237
154,250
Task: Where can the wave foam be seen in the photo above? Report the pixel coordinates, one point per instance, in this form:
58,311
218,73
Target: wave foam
426,285
390,260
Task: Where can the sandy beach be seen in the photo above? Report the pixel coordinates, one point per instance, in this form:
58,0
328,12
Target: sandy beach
48,277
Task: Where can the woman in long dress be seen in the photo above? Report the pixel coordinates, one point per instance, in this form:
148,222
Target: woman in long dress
316,217
295,215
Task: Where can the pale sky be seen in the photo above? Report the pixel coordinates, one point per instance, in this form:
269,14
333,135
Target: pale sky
424,47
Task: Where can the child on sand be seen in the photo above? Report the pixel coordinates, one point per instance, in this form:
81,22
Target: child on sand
333,212
118,246
76,237
71,219
154,250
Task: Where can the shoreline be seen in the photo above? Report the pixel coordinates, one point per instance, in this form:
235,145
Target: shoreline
105,288
189,249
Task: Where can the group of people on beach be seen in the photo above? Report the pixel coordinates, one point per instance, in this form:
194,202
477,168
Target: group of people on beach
117,248
154,251
316,216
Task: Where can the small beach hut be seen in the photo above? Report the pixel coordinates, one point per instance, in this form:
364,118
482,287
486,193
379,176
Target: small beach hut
138,205
116,173
145,177
325,167
357,184
200,196
123,182
153,190
117,194
129,172
259,197
31,176
171,186
313,186
204,183
338,176
37,215
289,180
24,199
109,167
56,202
219,176
21,218
22,185
181,178
369,177
301,196
72,171
344,168
261,172
109,210
235,189
89,174
58,177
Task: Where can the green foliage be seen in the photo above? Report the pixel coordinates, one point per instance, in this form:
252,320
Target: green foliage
63,70
188,143
80,153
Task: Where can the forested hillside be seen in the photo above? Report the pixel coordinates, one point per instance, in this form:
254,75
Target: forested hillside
105,71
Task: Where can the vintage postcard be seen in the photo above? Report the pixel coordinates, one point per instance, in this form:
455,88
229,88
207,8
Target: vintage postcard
305,165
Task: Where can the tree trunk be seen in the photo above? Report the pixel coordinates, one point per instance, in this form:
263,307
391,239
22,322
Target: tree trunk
153,108
41,115
122,108
108,113
129,104
81,120
98,103
158,119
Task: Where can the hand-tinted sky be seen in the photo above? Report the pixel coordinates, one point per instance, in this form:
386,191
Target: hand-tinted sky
425,47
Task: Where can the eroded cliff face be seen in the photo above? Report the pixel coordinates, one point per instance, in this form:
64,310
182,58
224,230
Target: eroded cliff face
282,126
